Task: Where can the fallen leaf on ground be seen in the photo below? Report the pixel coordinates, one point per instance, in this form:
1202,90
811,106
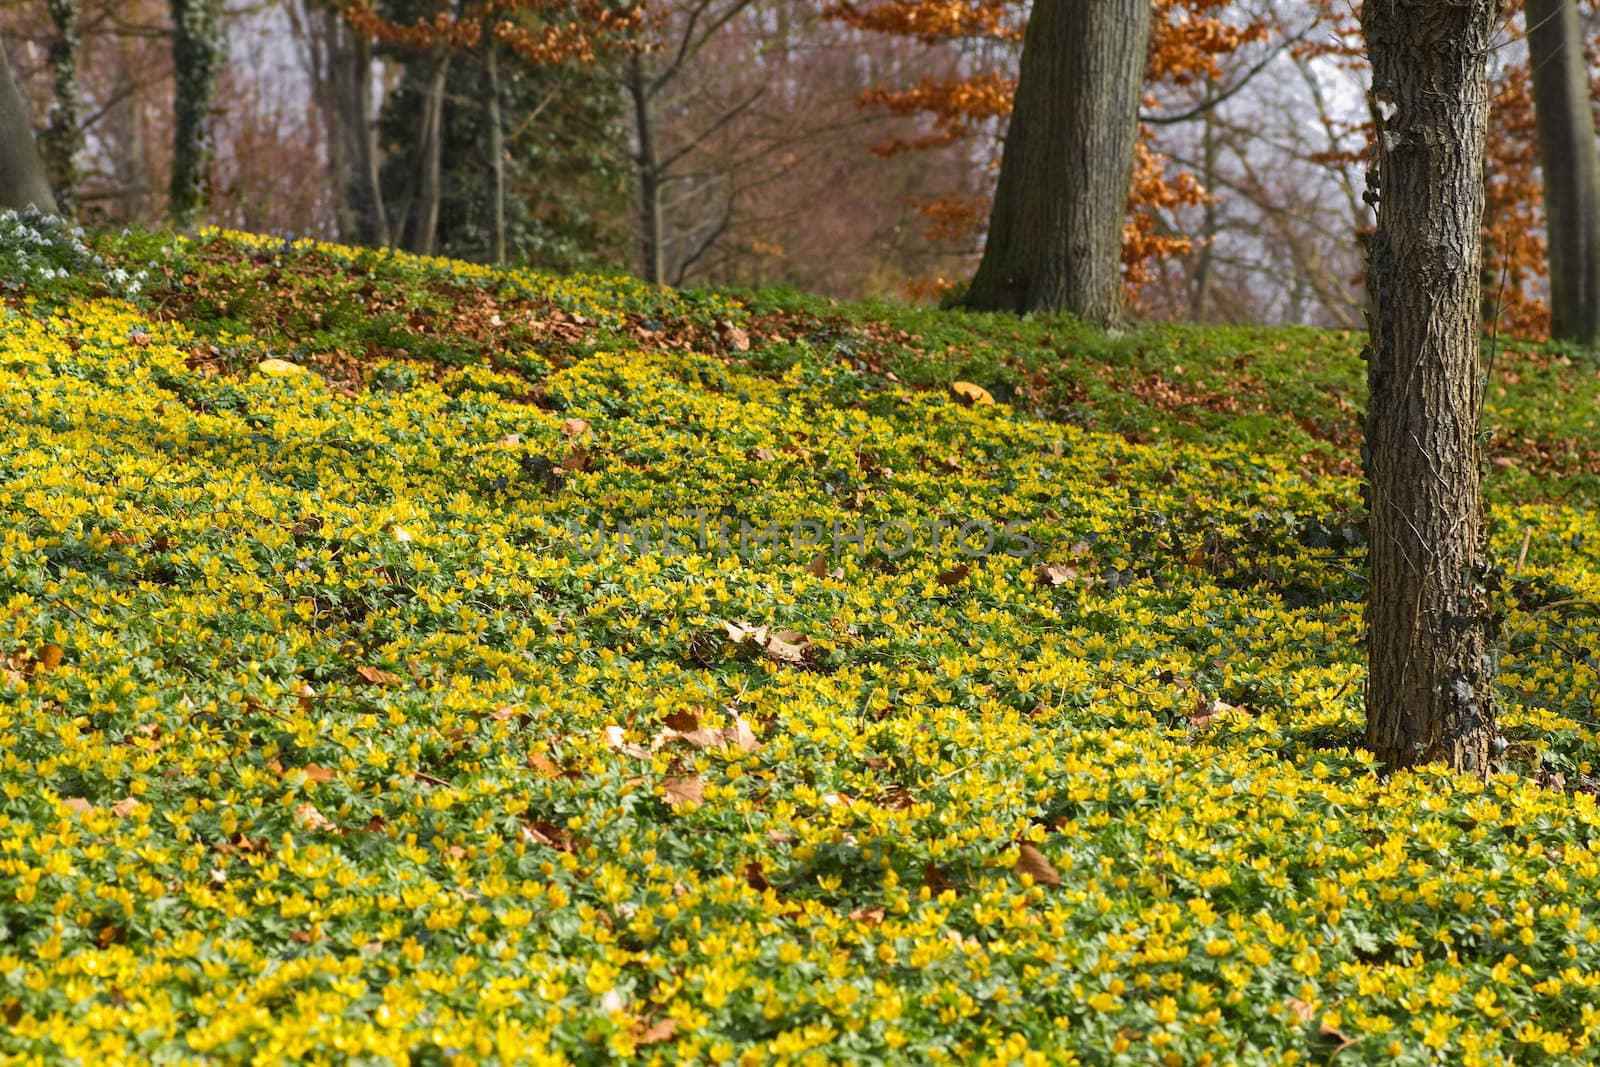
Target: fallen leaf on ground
681,790
1031,861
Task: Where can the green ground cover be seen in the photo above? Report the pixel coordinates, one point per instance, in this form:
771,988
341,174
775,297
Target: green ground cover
327,734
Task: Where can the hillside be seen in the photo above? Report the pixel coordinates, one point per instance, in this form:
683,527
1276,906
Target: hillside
329,736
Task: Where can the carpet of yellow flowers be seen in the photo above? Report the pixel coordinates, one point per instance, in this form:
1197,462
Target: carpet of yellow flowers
346,725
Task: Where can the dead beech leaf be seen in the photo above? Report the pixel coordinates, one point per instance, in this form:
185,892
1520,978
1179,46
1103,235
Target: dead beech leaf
657,1032
511,440
818,567
740,735
375,676
1031,861
682,721
504,712
787,646
955,574
542,763
1208,710
574,427
50,656
756,878
124,807
1056,574
617,739
1301,1009
684,789
310,818
319,774
576,460
971,393
78,804
733,337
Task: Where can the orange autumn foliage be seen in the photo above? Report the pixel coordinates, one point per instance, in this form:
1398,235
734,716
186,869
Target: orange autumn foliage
1189,44
541,32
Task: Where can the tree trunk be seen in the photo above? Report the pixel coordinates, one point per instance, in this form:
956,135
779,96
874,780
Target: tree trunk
196,60
1430,665
420,222
647,163
1210,223
1055,233
23,180
1570,162
340,64
497,154
63,140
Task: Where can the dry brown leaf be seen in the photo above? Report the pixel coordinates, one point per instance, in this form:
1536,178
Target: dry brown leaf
657,1032
1031,861
124,807
682,721
504,712
576,460
310,818
1301,1009
684,789
546,767
733,337
1208,710
954,574
1056,574
617,739
818,567
375,676
78,804
574,427
756,877
50,657
787,646
319,774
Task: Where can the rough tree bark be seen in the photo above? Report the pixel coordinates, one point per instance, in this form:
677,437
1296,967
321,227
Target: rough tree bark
23,180
196,61
338,63
647,164
497,152
1570,160
1055,232
417,220
1430,664
63,139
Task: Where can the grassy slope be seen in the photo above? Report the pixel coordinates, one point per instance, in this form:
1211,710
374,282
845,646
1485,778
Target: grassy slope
324,739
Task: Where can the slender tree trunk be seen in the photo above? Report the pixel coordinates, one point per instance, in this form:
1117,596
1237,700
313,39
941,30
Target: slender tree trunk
23,180
647,164
1055,233
422,213
1430,665
1570,160
353,92
1205,259
63,140
497,154
196,60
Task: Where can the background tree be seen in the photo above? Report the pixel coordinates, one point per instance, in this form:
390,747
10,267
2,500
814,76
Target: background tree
197,54
23,180
1570,163
62,142
433,35
1055,233
1430,668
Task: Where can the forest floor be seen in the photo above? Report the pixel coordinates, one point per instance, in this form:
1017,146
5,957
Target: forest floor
402,661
